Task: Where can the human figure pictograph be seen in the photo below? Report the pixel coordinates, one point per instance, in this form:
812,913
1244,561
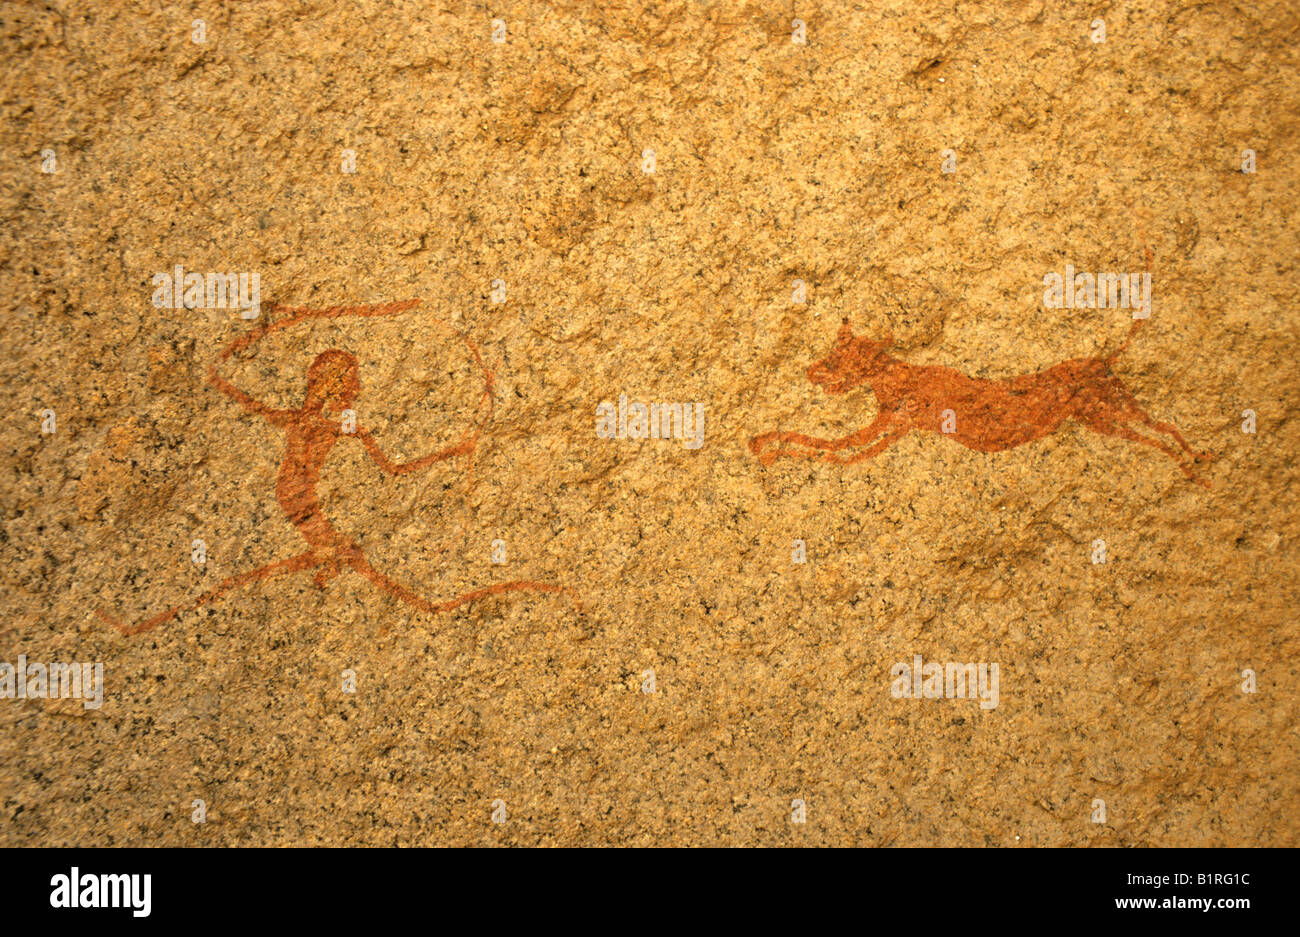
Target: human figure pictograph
312,430
982,414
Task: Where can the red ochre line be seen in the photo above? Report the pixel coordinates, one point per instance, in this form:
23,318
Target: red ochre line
411,598
333,379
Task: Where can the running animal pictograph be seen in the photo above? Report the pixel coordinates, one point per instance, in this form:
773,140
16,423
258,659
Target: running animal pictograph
312,430
986,415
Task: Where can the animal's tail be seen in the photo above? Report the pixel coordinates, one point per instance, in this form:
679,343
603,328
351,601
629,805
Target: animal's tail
1138,321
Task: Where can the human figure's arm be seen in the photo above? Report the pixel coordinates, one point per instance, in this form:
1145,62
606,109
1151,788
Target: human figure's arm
249,403
295,315
386,464
466,446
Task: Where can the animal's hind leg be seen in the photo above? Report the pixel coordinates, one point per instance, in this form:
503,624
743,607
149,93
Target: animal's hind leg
1172,430
1110,428
1118,404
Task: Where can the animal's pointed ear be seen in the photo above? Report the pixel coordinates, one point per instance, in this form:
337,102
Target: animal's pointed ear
846,333
889,339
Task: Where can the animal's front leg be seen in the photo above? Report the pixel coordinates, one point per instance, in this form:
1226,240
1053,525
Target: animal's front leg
822,447
891,437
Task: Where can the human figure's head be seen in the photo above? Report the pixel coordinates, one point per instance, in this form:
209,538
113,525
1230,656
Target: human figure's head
332,379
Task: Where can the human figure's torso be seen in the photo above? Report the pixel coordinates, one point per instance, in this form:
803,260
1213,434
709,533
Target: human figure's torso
310,437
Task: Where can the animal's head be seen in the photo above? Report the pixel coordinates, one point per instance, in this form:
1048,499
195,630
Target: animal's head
850,362
333,379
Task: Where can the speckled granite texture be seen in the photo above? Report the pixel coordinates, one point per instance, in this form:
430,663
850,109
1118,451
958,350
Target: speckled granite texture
524,718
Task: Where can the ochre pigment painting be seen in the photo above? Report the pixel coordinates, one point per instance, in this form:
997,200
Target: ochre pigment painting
656,424
312,430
